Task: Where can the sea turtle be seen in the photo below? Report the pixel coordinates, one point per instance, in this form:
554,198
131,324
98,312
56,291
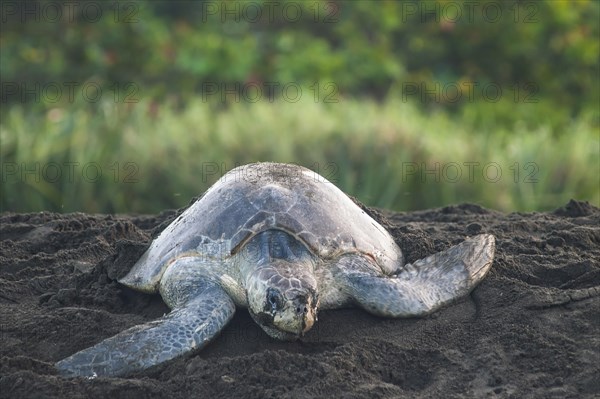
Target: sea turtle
282,241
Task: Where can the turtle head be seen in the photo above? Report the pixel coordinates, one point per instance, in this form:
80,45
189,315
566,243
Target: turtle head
282,299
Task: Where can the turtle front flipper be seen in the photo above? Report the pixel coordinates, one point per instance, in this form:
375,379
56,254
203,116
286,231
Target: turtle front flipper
186,328
427,284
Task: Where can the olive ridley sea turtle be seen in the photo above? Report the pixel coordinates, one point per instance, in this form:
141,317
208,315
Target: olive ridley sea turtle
283,242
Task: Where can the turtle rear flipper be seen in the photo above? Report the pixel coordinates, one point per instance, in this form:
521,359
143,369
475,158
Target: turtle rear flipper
187,328
428,284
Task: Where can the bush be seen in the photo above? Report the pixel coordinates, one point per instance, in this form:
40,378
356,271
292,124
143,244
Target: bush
144,158
535,51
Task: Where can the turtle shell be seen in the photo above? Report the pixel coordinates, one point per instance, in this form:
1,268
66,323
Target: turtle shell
256,197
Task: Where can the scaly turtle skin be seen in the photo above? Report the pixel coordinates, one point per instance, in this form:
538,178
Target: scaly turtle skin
283,242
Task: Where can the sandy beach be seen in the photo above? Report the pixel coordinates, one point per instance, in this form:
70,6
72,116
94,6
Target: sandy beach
531,329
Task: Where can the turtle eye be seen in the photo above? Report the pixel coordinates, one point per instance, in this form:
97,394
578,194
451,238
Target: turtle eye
273,299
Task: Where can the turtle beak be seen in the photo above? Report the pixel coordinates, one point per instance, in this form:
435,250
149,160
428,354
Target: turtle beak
306,310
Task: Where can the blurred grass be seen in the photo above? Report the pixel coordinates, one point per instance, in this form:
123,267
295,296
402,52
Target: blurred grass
388,154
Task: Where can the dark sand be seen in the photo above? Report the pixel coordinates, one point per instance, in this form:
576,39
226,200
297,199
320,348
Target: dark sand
531,329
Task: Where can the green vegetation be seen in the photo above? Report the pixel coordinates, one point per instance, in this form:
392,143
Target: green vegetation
152,159
400,103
